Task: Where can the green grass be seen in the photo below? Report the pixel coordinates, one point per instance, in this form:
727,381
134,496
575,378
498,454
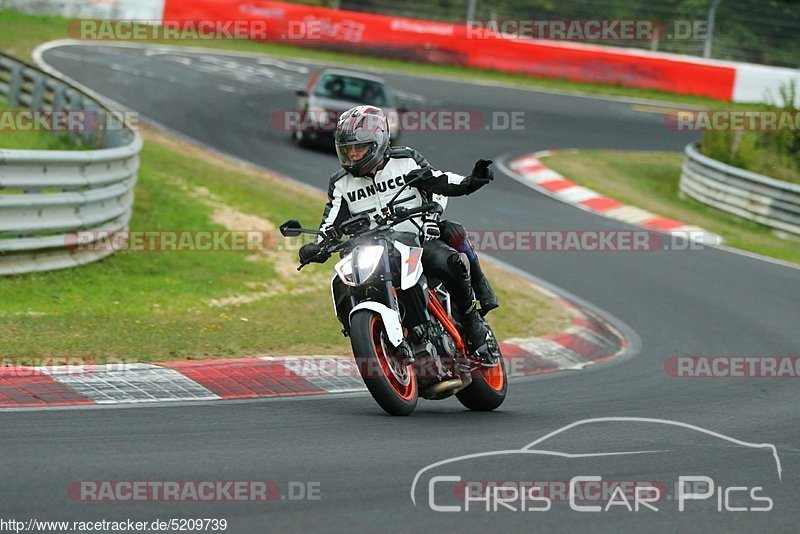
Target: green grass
34,140
154,305
650,181
21,33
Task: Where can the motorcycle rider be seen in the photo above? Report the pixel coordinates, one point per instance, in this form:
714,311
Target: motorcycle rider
371,171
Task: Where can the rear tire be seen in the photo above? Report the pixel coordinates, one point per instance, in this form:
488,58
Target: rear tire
489,385
394,388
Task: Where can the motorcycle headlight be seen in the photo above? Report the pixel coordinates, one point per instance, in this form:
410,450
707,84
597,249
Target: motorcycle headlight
358,266
366,260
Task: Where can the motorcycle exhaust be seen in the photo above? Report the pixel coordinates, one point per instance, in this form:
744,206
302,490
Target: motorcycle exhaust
442,390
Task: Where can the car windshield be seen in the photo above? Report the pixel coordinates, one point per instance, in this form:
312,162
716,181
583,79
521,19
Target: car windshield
352,89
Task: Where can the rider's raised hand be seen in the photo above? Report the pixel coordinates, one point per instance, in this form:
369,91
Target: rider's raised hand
481,173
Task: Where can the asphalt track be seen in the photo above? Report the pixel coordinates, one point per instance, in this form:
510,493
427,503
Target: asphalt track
703,303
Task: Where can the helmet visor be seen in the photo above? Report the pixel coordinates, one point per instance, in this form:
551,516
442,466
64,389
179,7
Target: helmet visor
351,153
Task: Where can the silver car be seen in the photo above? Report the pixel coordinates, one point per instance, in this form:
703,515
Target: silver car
329,93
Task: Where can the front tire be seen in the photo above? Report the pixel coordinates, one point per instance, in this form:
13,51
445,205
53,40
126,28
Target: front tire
394,387
489,384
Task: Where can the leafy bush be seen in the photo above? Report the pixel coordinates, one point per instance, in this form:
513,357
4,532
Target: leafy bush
771,153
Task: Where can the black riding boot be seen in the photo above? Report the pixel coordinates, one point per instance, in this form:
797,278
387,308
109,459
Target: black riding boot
480,284
474,330
466,311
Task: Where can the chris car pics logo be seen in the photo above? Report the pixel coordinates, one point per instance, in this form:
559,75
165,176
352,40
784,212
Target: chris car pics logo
557,471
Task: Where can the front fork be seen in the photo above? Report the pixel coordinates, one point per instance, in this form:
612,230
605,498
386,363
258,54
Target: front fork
389,310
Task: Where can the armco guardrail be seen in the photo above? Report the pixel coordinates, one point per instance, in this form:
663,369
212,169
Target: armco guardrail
46,197
765,200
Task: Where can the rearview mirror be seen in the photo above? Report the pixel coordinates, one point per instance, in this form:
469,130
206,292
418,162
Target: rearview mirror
301,92
418,175
291,229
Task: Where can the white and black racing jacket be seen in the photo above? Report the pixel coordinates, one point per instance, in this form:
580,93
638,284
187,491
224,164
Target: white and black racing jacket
349,195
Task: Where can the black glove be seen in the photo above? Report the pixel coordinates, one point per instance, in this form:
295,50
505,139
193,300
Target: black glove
311,252
481,175
481,171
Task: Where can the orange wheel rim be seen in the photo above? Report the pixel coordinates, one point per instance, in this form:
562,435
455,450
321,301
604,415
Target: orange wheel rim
494,376
405,389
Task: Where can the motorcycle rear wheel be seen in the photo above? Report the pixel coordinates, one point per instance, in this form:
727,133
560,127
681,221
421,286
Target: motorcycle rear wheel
489,385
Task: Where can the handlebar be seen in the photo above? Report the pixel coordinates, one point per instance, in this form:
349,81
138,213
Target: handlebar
384,223
429,207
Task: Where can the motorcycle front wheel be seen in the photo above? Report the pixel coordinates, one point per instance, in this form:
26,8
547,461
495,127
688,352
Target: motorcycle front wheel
391,384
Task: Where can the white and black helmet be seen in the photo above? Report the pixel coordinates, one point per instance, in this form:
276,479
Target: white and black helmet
363,127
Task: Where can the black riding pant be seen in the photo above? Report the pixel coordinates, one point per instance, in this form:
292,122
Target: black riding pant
442,261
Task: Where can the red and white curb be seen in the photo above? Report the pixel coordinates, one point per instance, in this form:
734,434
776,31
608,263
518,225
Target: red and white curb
530,171
587,341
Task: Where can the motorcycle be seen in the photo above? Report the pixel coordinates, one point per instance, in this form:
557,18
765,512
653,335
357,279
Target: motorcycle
406,341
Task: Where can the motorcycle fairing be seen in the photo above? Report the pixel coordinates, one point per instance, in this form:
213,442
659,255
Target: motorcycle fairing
410,264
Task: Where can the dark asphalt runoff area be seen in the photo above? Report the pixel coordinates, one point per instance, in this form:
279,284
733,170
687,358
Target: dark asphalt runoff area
363,463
